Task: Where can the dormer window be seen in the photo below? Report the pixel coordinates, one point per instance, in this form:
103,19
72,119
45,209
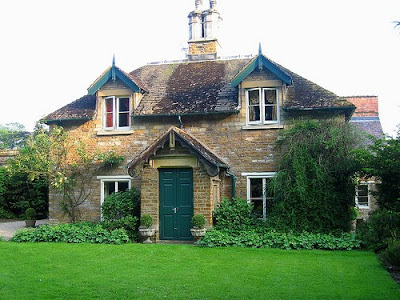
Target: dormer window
262,106
116,114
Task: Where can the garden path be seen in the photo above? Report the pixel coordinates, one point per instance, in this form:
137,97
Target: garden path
8,228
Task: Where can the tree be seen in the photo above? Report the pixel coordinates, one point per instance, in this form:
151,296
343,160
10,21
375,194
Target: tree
64,162
382,160
12,136
314,188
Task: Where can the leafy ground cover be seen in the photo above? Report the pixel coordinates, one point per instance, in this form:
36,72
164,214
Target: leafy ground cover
88,271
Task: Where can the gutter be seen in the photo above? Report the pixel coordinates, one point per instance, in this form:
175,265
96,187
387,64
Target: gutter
70,119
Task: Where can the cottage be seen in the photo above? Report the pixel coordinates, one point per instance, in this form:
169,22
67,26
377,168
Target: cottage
192,131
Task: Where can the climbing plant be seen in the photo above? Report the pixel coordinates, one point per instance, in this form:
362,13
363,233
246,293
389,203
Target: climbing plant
314,188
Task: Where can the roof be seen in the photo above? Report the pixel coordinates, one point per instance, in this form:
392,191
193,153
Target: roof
81,109
369,125
210,160
206,87
189,87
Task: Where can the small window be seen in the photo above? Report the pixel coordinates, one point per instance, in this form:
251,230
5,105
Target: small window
259,193
262,106
116,113
362,195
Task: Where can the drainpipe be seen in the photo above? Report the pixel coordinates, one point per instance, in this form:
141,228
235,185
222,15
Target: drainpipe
233,182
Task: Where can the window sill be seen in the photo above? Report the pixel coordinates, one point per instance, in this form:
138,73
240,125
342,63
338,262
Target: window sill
114,132
265,126
363,207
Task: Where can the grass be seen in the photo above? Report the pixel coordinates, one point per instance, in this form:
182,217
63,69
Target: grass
83,271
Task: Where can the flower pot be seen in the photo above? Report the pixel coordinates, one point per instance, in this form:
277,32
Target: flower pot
198,233
30,223
147,233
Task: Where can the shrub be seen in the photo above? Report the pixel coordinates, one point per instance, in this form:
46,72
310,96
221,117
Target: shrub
128,223
121,204
5,214
121,210
235,214
198,221
272,239
381,228
391,256
72,233
146,220
30,214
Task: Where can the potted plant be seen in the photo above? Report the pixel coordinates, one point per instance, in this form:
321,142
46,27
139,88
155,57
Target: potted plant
30,217
198,222
146,221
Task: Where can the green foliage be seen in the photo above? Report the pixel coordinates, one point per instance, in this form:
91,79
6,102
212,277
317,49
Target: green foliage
121,204
30,214
382,160
353,213
146,220
235,214
313,190
122,210
254,238
18,192
391,256
111,159
382,227
12,136
198,221
72,233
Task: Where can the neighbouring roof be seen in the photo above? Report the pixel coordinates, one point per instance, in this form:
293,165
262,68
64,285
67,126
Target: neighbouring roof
81,109
210,160
205,87
369,125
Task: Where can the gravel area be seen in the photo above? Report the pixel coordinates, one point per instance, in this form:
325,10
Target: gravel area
8,228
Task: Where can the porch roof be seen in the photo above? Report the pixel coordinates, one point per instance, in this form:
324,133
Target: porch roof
212,163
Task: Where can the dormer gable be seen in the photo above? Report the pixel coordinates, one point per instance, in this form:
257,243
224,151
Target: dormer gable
260,62
115,74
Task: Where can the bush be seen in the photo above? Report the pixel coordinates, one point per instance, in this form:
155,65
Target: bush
391,256
30,214
253,238
235,215
198,221
122,204
5,214
72,233
121,210
381,228
146,220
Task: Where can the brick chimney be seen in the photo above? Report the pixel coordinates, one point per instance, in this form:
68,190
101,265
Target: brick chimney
203,31
366,106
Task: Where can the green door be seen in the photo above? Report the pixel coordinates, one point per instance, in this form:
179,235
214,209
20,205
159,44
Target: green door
176,204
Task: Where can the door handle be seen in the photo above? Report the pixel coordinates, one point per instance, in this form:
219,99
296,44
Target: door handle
175,209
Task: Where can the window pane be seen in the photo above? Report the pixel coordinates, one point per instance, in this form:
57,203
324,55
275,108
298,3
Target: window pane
270,96
109,188
254,97
256,188
362,190
258,208
109,105
123,104
123,119
123,186
254,113
270,113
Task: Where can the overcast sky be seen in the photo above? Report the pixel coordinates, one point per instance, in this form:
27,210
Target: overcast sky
51,51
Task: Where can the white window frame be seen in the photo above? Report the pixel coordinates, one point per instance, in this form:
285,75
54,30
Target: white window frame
116,112
264,176
361,206
261,96
116,179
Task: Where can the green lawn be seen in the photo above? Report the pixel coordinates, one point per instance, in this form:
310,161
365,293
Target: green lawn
85,271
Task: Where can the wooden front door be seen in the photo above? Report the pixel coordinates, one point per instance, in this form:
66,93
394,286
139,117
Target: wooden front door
176,204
